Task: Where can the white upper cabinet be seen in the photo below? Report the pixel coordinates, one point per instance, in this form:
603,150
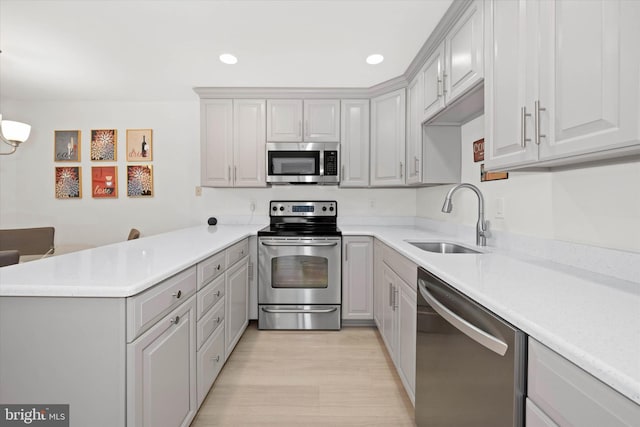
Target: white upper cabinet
433,83
322,120
354,147
284,120
414,131
233,143
464,53
562,83
388,139
216,122
457,64
249,145
311,120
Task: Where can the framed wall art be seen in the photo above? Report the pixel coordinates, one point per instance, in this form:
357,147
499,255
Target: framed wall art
139,181
104,182
66,145
68,182
139,145
104,144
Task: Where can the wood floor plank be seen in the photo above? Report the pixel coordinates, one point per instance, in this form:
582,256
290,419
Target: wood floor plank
307,378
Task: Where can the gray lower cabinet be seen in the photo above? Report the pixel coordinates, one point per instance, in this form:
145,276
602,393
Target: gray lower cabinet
237,303
357,278
560,393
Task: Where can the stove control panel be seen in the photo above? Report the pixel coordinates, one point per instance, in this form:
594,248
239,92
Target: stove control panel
304,209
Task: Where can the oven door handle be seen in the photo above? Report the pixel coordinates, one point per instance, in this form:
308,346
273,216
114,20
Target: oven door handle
299,244
297,310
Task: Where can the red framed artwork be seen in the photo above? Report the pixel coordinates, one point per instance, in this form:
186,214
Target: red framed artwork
104,182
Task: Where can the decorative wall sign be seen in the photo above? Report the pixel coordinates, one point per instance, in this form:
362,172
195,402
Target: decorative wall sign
66,145
139,145
104,144
492,176
104,182
139,181
478,150
68,182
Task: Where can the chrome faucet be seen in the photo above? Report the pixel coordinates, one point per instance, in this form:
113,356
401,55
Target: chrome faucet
482,227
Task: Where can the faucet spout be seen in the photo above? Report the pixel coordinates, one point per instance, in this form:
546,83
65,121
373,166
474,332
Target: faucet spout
481,227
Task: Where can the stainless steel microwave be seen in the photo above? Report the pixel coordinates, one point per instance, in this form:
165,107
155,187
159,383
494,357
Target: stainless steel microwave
303,163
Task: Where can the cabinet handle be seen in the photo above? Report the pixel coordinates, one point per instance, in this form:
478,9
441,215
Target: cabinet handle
342,173
175,321
401,170
218,267
218,294
536,119
235,173
415,162
440,85
306,127
218,320
444,78
229,173
395,298
177,294
523,127
390,294
216,359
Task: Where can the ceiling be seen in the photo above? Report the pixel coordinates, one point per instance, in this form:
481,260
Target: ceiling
148,50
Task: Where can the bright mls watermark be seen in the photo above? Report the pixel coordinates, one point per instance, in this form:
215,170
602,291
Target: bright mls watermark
34,415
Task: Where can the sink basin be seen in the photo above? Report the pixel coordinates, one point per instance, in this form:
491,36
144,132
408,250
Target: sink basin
443,248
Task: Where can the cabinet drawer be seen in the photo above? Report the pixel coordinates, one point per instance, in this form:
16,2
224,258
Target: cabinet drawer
209,323
210,359
210,295
572,397
236,252
146,308
402,266
211,268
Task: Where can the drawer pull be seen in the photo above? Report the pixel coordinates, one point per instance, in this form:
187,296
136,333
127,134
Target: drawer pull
218,267
177,294
218,294
218,319
216,359
175,321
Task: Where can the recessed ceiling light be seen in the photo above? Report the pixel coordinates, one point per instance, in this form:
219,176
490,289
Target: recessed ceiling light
375,59
227,58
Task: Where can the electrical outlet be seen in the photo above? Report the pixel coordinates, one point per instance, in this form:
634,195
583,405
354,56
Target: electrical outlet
198,191
500,208
252,205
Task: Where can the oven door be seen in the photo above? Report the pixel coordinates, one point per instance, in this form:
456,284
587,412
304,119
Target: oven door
301,270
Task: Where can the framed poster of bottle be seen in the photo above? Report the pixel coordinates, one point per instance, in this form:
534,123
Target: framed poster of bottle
139,143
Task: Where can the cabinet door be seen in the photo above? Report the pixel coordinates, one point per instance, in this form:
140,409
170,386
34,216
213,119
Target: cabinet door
433,85
236,304
414,131
589,85
388,139
389,318
161,372
249,144
406,357
284,120
322,120
378,284
216,142
357,278
464,67
509,83
354,147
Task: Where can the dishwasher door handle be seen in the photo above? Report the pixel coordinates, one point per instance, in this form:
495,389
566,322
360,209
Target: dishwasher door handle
299,310
300,244
478,335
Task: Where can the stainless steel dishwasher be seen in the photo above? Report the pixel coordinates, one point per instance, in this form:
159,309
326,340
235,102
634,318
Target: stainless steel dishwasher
470,364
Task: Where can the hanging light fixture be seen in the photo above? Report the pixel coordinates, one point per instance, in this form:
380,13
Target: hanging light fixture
13,134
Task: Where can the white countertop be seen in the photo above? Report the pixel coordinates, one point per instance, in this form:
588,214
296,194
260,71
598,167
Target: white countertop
592,320
121,269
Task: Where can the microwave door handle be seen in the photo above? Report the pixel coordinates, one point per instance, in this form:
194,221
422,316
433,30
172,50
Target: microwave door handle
298,244
478,335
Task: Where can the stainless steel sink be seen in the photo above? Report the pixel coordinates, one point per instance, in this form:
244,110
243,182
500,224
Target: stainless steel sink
443,248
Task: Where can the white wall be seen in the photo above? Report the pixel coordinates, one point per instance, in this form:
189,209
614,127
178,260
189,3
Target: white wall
593,205
27,177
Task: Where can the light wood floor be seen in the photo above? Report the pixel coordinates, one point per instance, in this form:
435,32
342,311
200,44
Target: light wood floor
307,378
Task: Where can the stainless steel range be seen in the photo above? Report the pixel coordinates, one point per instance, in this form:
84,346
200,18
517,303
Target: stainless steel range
299,270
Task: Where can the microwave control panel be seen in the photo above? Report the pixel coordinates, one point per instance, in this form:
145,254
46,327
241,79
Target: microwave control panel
331,163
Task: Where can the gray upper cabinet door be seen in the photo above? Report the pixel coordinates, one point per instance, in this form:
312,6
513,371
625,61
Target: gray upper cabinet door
321,120
388,139
354,148
284,120
216,156
433,84
249,144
